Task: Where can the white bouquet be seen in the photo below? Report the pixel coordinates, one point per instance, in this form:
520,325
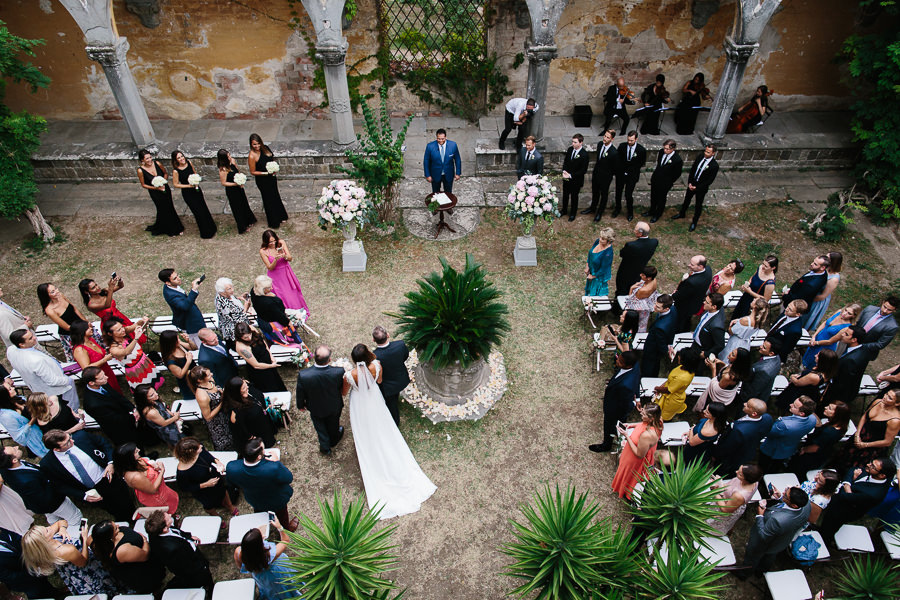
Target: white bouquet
343,202
272,167
240,178
194,179
158,182
531,198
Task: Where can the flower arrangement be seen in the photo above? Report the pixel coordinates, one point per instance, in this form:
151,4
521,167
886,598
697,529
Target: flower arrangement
272,167
240,179
531,198
302,358
343,203
158,182
194,179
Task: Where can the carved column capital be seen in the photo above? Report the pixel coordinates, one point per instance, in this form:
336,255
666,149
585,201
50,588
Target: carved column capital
109,56
332,55
740,53
537,54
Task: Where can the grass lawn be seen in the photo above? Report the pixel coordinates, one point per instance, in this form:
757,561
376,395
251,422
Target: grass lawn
537,434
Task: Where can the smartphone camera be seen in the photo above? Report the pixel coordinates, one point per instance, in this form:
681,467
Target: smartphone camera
271,517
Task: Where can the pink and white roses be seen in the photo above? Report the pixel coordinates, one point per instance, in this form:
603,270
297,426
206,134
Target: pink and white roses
342,203
531,198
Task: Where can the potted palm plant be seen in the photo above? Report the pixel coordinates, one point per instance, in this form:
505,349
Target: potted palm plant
866,578
683,575
452,321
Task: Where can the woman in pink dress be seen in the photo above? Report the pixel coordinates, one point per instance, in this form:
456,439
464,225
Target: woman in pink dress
88,353
277,258
146,477
638,451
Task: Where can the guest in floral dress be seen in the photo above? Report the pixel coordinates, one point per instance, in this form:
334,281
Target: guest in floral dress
599,264
820,489
154,412
623,334
139,369
642,296
230,309
209,398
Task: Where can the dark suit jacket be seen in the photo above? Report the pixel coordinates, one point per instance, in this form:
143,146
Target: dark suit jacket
849,506
185,314
576,167
394,375
605,167
222,366
789,334
851,367
659,336
665,176
436,169
706,178
176,554
319,390
634,257
266,485
740,445
762,378
112,411
609,99
618,400
535,166
630,169
880,335
690,293
806,288
95,446
712,334
38,493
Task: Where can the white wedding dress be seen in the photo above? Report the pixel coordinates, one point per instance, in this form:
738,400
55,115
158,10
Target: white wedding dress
390,473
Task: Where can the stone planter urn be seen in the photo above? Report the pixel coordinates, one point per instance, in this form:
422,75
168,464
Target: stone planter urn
454,384
525,252
353,254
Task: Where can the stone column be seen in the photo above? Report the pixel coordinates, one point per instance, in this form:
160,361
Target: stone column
338,93
115,67
539,58
729,86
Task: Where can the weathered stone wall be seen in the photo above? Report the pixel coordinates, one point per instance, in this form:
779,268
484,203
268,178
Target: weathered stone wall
222,59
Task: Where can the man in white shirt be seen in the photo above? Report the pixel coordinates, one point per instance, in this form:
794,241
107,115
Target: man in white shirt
518,111
11,320
40,371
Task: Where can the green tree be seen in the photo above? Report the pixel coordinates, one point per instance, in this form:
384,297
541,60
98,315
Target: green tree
20,134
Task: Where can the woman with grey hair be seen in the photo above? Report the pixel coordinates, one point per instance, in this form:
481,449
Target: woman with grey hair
230,309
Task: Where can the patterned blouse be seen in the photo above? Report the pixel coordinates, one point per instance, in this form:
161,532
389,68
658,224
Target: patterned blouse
231,312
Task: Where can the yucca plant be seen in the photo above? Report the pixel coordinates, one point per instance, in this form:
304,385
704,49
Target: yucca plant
563,553
344,558
454,316
682,575
675,506
867,578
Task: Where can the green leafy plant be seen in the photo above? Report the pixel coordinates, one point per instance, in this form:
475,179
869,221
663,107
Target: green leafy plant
682,575
674,507
868,578
563,553
344,558
454,316
377,164
831,224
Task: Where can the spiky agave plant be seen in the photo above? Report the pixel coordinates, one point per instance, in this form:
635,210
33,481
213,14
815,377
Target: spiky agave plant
344,558
867,578
682,575
454,316
563,553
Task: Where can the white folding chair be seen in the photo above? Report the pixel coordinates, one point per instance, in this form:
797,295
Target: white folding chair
788,585
87,597
719,552
672,432
236,589
892,543
184,594
133,597
206,528
241,524
854,538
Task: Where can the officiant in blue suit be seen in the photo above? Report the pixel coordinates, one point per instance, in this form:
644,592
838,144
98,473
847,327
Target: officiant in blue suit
440,157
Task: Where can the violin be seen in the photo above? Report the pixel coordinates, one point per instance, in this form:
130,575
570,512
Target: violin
626,93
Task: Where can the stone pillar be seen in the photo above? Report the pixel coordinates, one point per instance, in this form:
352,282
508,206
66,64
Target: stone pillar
338,92
539,58
115,67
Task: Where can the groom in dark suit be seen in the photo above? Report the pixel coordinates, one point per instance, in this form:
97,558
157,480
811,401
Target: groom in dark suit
394,375
529,161
618,401
319,391
668,169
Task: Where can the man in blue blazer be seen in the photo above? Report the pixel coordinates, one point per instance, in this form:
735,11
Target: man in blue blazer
739,446
215,357
660,336
441,156
619,399
266,482
789,327
786,434
394,374
709,335
185,314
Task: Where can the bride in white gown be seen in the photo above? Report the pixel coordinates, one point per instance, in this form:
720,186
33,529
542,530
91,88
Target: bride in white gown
390,473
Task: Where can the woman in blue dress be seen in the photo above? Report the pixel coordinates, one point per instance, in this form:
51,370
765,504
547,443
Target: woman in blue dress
820,303
14,418
266,563
599,264
826,336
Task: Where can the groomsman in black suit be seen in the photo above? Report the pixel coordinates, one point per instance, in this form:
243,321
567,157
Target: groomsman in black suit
660,336
700,177
319,391
117,416
619,399
691,291
604,169
529,161
38,494
668,169
575,165
179,552
394,375
808,286
709,335
788,328
861,491
630,159
852,365
634,257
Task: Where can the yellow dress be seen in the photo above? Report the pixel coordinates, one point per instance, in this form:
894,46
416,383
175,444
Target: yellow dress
673,402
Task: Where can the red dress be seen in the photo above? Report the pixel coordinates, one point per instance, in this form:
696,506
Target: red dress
107,313
164,496
94,356
631,468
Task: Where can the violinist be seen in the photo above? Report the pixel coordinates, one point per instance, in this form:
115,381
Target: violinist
693,93
617,97
751,113
654,97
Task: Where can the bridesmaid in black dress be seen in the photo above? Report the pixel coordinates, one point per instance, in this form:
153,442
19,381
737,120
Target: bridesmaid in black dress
237,197
260,155
192,195
167,221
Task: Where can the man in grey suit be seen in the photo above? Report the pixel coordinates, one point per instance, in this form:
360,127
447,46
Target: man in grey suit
880,324
529,161
394,375
775,527
763,373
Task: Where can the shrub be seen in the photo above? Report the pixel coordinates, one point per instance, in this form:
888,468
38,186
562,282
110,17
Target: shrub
682,575
867,578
